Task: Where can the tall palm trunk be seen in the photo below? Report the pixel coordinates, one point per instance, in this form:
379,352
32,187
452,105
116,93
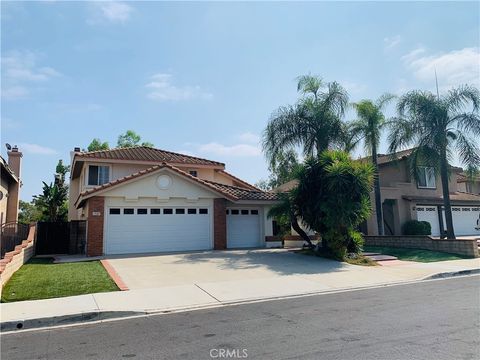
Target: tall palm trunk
446,195
378,196
300,231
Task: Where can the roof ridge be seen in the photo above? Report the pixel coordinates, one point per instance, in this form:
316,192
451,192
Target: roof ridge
236,187
240,180
143,147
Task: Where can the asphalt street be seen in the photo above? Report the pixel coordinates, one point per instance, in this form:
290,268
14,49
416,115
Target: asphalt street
426,320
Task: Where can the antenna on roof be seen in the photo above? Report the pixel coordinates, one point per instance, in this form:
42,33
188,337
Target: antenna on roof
8,146
436,82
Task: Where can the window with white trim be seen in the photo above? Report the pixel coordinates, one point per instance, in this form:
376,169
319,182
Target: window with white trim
98,175
426,177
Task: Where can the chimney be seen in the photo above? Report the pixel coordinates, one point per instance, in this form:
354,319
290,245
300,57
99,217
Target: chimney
14,162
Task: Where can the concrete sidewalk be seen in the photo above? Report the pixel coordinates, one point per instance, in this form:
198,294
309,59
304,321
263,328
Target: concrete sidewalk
206,294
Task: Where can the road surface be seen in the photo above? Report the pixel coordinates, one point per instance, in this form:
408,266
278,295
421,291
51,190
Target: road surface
427,320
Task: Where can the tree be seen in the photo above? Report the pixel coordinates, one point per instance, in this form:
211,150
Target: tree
282,169
130,139
436,126
97,145
314,123
332,198
52,202
368,127
28,213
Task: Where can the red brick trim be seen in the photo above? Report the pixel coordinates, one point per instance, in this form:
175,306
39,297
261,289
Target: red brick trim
219,224
18,249
95,221
114,275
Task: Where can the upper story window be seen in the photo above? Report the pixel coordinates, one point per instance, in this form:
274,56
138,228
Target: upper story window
426,177
98,175
193,173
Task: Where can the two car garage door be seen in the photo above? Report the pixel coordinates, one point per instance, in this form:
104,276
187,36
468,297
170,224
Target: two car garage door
162,229
466,219
157,229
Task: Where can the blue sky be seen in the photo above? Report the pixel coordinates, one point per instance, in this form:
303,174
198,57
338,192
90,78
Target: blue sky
203,78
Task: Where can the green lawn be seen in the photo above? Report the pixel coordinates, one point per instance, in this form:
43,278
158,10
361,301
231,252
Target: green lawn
414,254
40,278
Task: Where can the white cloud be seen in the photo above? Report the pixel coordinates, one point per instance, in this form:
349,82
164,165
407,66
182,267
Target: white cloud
354,88
238,150
453,68
162,89
19,70
249,137
112,11
36,149
14,92
391,42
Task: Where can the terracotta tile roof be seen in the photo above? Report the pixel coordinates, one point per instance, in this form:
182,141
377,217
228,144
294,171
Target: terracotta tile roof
230,192
244,194
456,197
239,180
145,153
388,158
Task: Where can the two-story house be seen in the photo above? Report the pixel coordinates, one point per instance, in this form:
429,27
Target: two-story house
406,199
142,199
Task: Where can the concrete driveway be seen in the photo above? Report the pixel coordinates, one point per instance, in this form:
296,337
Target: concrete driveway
152,271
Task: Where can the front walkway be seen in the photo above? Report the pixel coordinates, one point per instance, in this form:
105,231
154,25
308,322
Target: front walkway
198,280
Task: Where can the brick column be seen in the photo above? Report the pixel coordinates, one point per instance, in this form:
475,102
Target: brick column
95,221
219,224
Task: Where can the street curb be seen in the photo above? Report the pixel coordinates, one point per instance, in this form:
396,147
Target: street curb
445,275
94,316
86,317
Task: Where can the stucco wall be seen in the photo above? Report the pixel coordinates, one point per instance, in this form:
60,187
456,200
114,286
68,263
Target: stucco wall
4,201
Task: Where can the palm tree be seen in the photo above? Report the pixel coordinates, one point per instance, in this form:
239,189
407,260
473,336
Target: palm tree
437,126
369,127
313,123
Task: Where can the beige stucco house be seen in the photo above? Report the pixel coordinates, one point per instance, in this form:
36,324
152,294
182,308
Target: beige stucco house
405,199
142,199
10,186
469,185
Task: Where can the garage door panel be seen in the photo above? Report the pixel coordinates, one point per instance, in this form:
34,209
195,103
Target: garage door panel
143,233
465,220
243,231
430,215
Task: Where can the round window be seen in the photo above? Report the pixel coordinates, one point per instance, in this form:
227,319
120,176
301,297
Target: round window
164,182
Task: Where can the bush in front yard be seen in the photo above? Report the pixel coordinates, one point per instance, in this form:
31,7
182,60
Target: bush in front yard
415,227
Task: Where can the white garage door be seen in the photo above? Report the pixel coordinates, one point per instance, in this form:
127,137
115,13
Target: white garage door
466,220
243,228
429,214
157,229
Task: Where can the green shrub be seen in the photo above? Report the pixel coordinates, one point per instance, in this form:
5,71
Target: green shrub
415,227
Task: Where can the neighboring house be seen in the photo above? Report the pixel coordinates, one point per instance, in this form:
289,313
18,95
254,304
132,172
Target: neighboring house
405,199
10,186
469,185
141,199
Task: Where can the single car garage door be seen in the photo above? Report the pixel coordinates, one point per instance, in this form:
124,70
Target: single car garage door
429,214
243,228
466,220
157,229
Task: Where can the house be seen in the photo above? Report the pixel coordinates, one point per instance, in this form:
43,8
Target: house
10,186
469,185
142,199
405,199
